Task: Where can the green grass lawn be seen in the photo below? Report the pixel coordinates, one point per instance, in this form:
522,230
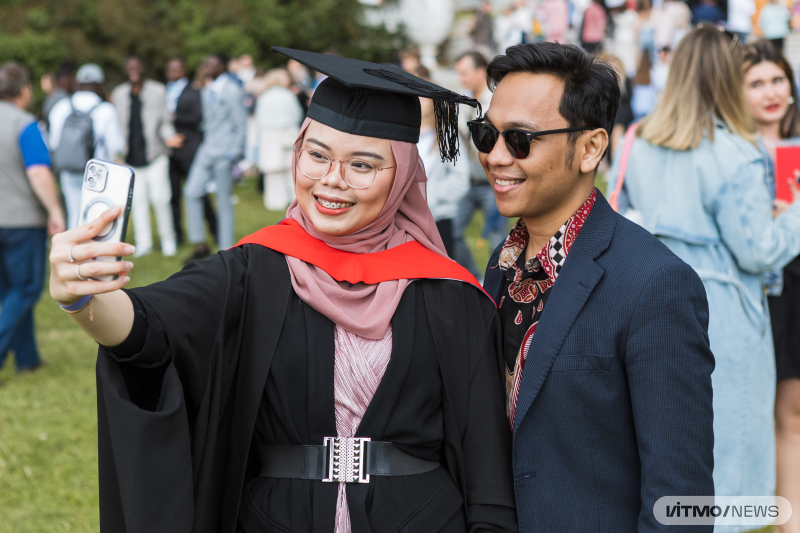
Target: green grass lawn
48,419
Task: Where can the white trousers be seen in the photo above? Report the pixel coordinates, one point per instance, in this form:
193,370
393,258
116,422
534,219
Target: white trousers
151,186
278,190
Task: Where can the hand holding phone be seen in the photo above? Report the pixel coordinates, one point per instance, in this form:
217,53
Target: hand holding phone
73,264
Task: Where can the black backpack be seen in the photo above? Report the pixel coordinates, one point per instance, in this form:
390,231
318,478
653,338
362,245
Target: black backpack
77,141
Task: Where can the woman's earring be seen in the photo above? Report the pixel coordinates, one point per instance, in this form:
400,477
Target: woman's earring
791,100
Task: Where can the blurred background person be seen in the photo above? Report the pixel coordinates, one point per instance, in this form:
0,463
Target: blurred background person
29,208
471,68
707,11
624,42
46,83
645,94
301,83
773,19
695,179
246,69
147,125
252,80
556,15
185,108
660,70
740,18
278,117
594,26
410,60
225,128
63,81
447,182
504,32
772,100
482,32
232,67
106,134
625,112
647,30
523,20
672,19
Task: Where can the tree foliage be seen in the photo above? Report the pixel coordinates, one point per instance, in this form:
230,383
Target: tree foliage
42,33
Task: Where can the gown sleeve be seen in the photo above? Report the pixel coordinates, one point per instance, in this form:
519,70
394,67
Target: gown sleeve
150,389
469,344
486,443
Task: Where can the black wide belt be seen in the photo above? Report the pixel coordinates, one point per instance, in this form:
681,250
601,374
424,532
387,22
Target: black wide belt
347,460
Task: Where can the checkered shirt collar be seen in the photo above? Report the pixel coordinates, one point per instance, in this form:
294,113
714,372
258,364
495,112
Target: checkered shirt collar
553,255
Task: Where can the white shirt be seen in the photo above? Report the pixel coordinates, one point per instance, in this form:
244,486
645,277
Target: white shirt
215,87
174,91
108,137
447,183
739,13
278,108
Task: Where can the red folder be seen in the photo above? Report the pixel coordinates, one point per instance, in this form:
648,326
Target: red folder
787,160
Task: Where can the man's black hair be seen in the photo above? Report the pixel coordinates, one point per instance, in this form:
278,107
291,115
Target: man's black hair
65,70
591,86
222,57
478,59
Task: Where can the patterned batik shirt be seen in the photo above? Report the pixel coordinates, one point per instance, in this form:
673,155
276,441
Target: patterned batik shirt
525,291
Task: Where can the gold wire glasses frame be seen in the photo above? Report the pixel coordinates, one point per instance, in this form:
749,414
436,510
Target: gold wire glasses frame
315,165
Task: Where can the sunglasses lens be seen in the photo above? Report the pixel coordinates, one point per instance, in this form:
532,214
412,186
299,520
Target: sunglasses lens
517,143
484,137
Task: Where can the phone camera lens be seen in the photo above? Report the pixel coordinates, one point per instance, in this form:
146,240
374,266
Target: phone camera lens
92,170
92,182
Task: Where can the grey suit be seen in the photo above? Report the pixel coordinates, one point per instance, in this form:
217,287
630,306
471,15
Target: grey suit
225,128
155,117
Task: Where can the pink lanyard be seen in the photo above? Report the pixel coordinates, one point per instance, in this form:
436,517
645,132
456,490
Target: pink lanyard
627,146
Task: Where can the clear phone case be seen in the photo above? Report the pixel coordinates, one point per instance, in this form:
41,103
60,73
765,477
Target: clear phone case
105,185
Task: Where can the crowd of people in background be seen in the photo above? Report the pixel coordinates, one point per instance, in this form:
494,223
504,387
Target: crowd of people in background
186,140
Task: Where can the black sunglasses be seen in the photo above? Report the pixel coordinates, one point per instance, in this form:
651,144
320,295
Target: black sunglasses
518,142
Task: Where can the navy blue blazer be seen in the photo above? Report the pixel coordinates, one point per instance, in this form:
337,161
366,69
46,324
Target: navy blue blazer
614,409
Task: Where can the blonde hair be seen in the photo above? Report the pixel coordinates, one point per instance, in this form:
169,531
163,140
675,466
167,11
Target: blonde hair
704,83
277,76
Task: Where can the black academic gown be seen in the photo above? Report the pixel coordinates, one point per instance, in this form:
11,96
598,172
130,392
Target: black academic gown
232,358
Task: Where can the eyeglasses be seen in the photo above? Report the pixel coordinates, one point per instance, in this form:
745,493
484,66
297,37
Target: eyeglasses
357,173
518,142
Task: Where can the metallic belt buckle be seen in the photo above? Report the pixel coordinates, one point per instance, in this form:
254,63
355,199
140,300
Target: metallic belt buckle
347,459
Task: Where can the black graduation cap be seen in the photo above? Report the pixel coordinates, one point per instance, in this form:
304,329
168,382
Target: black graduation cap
381,101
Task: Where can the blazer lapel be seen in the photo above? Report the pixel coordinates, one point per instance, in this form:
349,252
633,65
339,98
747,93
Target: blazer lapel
578,277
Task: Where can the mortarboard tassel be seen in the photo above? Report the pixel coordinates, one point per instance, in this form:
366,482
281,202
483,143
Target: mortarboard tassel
445,108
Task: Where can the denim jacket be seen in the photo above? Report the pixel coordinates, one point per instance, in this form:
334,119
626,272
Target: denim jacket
773,279
711,206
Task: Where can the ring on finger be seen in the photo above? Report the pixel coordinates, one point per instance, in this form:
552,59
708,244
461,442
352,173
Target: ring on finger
78,272
71,259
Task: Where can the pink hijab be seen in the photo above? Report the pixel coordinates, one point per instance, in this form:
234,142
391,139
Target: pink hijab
367,310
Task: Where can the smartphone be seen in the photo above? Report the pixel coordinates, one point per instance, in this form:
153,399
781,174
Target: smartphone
106,185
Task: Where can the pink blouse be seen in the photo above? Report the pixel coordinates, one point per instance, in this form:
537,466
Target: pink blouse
359,365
